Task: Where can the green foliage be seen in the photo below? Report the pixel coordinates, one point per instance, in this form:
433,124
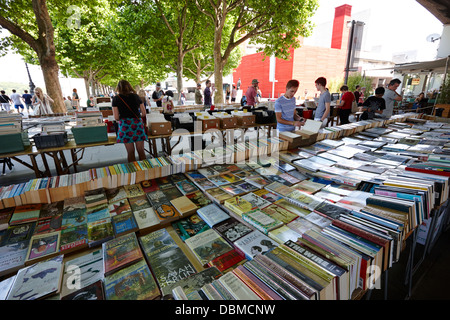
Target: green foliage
8,86
444,94
354,79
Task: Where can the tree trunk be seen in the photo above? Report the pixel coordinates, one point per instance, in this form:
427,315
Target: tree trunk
180,75
50,71
218,66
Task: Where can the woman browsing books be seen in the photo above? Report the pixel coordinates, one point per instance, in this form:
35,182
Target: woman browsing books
128,111
287,117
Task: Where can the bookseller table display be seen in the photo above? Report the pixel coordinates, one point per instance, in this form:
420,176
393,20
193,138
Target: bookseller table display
225,134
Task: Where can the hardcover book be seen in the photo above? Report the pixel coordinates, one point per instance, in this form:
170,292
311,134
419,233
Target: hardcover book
95,197
218,194
139,203
133,190
52,209
199,199
186,187
119,207
227,260
26,213
279,213
38,280
212,214
208,245
43,245
167,261
232,229
94,291
261,221
75,203
149,186
255,243
146,218
48,225
74,218
238,205
124,223
90,268
19,233
115,194
256,201
184,205
73,238
134,282
120,252
100,231
164,210
190,226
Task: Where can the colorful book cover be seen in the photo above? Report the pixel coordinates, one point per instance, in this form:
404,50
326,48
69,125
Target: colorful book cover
199,199
19,233
13,256
49,225
119,207
74,238
133,190
74,218
149,186
230,177
186,187
43,245
238,205
120,252
100,231
26,213
190,226
52,209
134,282
167,261
115,194
139,203
208,245
205,184
218,194
124,223
75,203
101,212
279,213
261,221
227,260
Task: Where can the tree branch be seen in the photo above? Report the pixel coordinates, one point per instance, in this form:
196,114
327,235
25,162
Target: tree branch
19,32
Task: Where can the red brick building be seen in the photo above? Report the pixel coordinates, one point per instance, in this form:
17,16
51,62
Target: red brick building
306,64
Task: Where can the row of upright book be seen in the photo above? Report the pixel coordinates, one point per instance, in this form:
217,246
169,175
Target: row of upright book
314,223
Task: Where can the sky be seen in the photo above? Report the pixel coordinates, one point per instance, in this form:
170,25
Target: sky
391,26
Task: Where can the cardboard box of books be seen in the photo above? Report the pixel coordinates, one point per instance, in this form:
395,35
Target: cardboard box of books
227,121
244,118
208,122
309,132
158,125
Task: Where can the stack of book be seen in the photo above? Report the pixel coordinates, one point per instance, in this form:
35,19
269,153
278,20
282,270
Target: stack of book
88,119
10,123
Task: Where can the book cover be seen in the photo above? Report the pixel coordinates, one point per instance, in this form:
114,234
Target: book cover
52,209
172,192
164,210
283,234
190,226
279,213
124,223
184,205
261,221
232,229
246,186
119,207
218,194
186,186
73,238
48,225
97,213
134,282
74,218
199,199
13,256
218,180
133,190
139,203
5,216
255,243
230,177
43,245
204,184
120,252
115,194
75,203
232,189
18,233
238,289
146,218
100,231
149,186
267,195
212,214
208,245
167,261
195,282
289,206
238,205
227,260
5,286
24,214
95,197
38,280
256,201
89,267
94,291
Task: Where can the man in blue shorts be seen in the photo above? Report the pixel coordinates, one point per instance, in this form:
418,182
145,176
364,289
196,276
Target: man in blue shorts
17,101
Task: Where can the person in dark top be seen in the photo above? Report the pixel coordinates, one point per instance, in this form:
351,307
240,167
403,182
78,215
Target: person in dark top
373,106
158,95
129,111
27,99
207,94
5,100
357,93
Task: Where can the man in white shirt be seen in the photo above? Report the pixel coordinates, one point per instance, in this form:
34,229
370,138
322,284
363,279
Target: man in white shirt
390,96
17,101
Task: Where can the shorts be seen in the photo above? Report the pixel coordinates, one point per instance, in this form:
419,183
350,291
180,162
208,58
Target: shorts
130,130
17,106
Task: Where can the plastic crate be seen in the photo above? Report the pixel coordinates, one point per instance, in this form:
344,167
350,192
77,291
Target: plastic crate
86,135
50,140
11,143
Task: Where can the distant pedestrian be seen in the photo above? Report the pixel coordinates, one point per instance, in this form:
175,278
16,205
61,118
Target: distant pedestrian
227,95
27,99
41,103
233,94
182,98
238,84
198,94
391,96
252,93
207,94
75,99
345,105
141,93
129,112
17,101
357,93
68,103
5,101
158,95
323,106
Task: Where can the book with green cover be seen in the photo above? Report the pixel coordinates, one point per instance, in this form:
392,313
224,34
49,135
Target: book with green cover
167,261
261,221
134,282
26,213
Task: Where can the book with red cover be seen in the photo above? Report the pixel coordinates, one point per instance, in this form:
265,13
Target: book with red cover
227,260
121,252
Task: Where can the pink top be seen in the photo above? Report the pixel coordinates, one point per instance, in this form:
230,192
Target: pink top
251,95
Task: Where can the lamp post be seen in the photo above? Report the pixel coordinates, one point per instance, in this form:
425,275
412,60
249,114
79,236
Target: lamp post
349,50
31,84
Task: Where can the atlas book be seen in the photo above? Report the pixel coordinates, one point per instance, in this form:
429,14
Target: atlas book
120,252
207,246
167,261
134,282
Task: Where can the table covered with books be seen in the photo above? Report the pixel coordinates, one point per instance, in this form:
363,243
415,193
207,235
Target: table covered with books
319,222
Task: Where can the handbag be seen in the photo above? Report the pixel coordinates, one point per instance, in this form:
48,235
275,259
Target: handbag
144,123
355,107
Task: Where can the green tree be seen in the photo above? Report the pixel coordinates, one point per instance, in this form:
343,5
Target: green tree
277,25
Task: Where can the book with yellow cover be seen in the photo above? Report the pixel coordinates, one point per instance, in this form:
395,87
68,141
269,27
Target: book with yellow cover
238,205
184,205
